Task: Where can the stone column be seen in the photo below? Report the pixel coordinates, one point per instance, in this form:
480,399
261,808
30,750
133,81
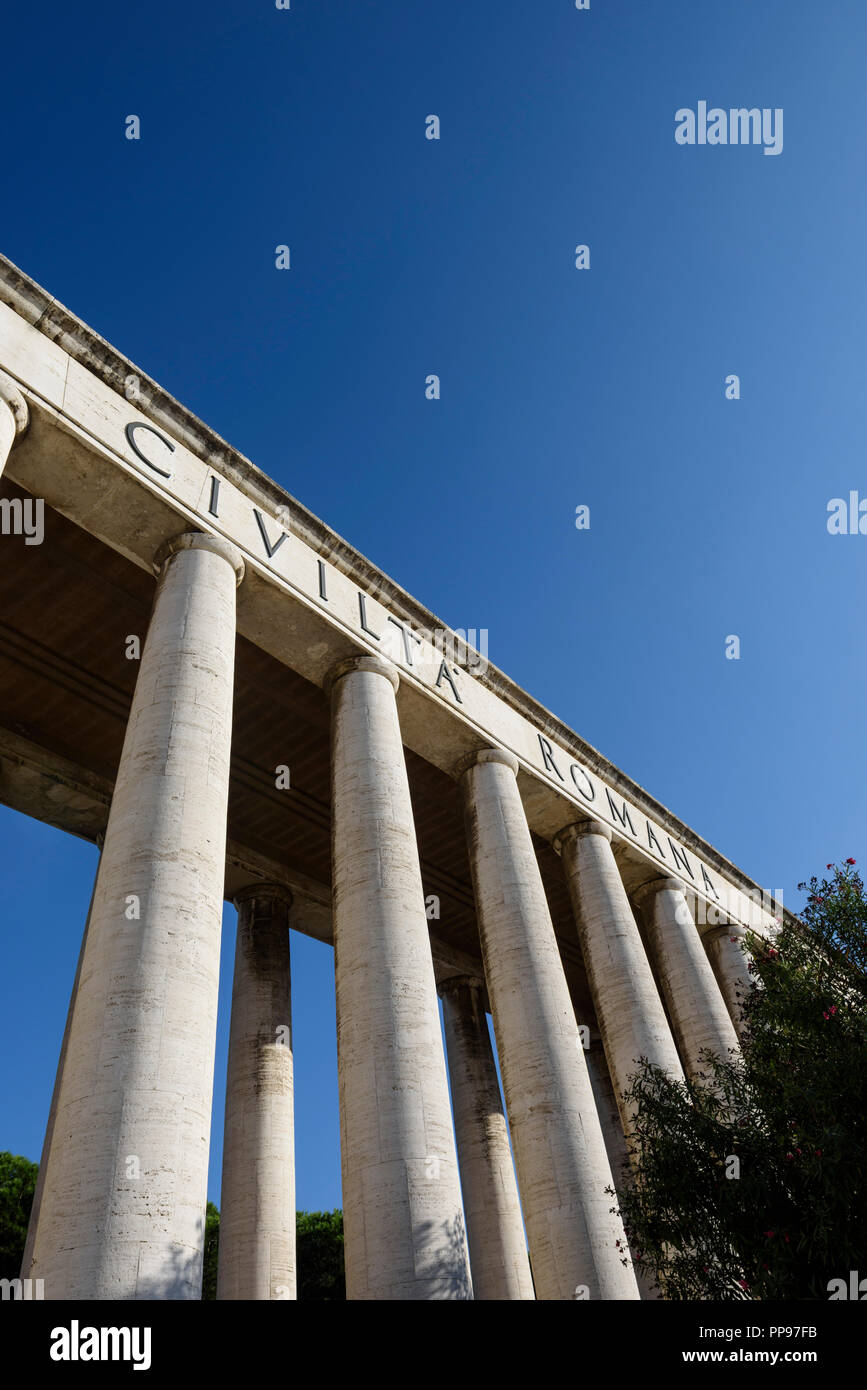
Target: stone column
123,1208
404,1232
560,1155
615,1138
628,1008
44,1161
696,1007
257,1199
498,1249
14,416
731,967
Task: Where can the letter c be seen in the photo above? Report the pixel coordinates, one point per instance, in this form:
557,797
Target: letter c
130,435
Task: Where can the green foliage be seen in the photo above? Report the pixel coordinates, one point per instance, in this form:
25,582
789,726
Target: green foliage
319,1235
17,1185
212,1246
791,1110
320,1255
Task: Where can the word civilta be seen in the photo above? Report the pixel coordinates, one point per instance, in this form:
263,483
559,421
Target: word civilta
738,126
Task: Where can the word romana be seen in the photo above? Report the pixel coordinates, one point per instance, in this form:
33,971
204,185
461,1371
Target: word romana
738,126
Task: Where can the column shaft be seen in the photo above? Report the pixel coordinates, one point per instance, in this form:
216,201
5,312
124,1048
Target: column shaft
123,1207
404,1234
45,1158
615,1139
696,1007
257,1198
629,1010
14,416
495,1233
730,966
560,1155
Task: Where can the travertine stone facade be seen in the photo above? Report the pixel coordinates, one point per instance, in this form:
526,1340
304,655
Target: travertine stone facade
395,738
122,1211
697,1010
14,416
724,946
498,1250
559,1150
402,1203
631,1017
257,1198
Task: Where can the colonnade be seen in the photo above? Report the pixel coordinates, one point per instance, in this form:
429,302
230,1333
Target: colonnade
124,1173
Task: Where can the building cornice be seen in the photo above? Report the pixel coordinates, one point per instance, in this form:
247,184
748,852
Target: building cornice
46,314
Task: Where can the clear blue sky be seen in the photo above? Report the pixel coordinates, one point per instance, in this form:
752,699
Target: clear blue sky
559,387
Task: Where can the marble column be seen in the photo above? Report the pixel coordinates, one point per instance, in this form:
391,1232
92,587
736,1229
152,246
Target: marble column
123,1208
14,416
731,966
560,1155
628,1008
403,1226
695,1005
257,1198
498,1249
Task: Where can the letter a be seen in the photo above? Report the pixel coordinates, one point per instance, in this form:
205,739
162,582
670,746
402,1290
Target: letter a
684,131
582,257
838,522
59,1350
733,388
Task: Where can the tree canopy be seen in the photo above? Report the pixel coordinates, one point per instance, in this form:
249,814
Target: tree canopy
749,1183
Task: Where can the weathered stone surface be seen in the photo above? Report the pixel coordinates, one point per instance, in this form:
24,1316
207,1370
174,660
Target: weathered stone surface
560,1155
404,1231
631,1018
122,1210
495,1232
697,1010
257,1197
731,967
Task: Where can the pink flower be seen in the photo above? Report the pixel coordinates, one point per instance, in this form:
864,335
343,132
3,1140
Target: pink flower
769,1234
829,866
850,861
743,1283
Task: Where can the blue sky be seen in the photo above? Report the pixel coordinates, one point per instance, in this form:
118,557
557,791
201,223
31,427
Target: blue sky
560,387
